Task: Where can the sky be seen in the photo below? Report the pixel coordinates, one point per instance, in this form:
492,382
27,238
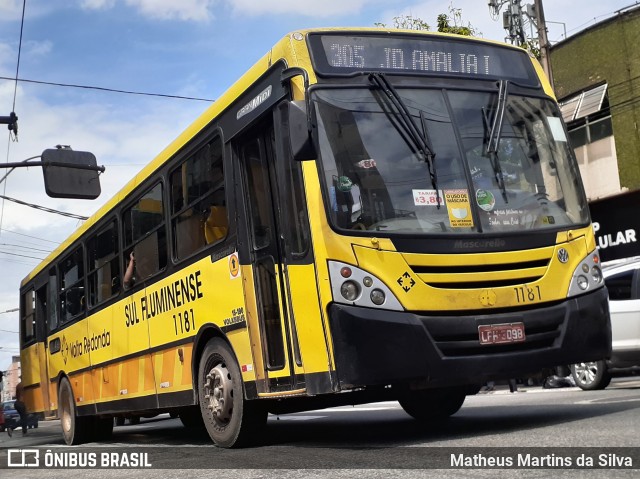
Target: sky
190,48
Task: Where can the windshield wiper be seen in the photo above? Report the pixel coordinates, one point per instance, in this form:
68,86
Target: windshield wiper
493,142
420,139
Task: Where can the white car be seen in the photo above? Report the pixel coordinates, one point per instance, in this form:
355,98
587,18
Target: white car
623,282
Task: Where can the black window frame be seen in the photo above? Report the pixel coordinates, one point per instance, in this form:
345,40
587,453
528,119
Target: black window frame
129,244
194,206
64,289
26,339
112,258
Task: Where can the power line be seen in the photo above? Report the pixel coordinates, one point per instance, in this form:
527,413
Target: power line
44,208
15,89
110,90
26,247
21,255
29,236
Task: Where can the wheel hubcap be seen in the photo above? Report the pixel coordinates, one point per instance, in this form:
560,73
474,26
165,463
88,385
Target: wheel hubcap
586,372
218,390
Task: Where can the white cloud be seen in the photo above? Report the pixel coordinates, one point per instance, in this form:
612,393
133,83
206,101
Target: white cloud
38,48
10,9
203,10
187,10
7,55
312,8
97,4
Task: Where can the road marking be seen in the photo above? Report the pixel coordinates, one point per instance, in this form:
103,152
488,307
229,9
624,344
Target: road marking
294,418
607,400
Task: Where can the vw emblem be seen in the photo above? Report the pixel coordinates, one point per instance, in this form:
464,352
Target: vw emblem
563,255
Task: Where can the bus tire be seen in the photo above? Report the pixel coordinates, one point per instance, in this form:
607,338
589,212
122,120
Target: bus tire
230,419
432,404
75,429
591,376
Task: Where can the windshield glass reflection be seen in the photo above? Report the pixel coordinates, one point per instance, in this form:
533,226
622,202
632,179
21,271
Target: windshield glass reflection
377,180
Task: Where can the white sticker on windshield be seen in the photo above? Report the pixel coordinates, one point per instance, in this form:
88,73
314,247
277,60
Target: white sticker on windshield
555,125
427,197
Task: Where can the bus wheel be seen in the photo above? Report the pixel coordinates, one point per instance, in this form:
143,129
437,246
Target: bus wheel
74,428
432,404
230,419
591,376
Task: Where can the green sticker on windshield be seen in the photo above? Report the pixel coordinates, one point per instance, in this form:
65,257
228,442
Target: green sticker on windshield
344,183
485,200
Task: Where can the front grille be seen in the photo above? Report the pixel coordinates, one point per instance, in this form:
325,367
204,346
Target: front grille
455,337
480,271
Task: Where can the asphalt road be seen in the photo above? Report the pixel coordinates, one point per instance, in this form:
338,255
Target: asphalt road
381,440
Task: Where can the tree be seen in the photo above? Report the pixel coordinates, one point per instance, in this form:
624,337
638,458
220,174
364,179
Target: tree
409,22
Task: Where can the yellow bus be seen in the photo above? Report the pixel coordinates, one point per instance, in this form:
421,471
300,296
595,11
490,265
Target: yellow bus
364,215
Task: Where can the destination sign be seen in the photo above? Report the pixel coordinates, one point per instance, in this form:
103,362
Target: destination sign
346,55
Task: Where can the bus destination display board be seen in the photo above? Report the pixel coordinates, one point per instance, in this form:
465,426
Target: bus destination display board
346,55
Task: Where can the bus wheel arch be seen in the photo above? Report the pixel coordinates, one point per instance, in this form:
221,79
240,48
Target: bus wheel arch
231,420
205,334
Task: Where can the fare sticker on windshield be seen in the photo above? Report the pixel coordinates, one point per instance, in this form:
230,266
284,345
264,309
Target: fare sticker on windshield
459,208
427,197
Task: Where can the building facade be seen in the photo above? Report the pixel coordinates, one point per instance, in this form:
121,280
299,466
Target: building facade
11,379
597,81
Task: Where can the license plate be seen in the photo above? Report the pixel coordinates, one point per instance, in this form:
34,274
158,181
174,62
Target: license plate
501,333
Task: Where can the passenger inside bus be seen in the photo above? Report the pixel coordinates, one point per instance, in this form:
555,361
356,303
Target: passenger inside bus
129,275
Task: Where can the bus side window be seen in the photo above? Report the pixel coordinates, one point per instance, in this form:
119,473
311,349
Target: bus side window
72,294
144,231
103,265
27,317
52,309
198,211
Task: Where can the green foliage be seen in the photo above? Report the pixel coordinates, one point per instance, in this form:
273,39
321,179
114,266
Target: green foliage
409,22
533,47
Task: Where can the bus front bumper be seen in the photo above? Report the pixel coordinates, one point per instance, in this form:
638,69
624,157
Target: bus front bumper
379,347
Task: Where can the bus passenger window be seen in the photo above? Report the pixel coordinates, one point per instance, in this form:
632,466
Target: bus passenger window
52,309
28,318
144,231
72,297
103,265
198,211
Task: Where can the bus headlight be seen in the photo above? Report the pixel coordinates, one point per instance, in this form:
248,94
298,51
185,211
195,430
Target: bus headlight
377,297
596,274
355,286
350,290
583,282
587,276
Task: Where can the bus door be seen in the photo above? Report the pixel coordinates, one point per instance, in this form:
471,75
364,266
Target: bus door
275,343
43,309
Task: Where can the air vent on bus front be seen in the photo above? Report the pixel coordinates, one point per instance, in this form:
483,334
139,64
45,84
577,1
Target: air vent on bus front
470,276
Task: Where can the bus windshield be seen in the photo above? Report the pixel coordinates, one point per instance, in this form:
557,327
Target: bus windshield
377,179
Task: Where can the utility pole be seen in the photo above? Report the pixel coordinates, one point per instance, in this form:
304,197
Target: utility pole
545,57
513,20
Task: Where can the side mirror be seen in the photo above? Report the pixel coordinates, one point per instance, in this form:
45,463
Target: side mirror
70,174
299,135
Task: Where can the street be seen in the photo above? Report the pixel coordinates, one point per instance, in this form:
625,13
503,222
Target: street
382,436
